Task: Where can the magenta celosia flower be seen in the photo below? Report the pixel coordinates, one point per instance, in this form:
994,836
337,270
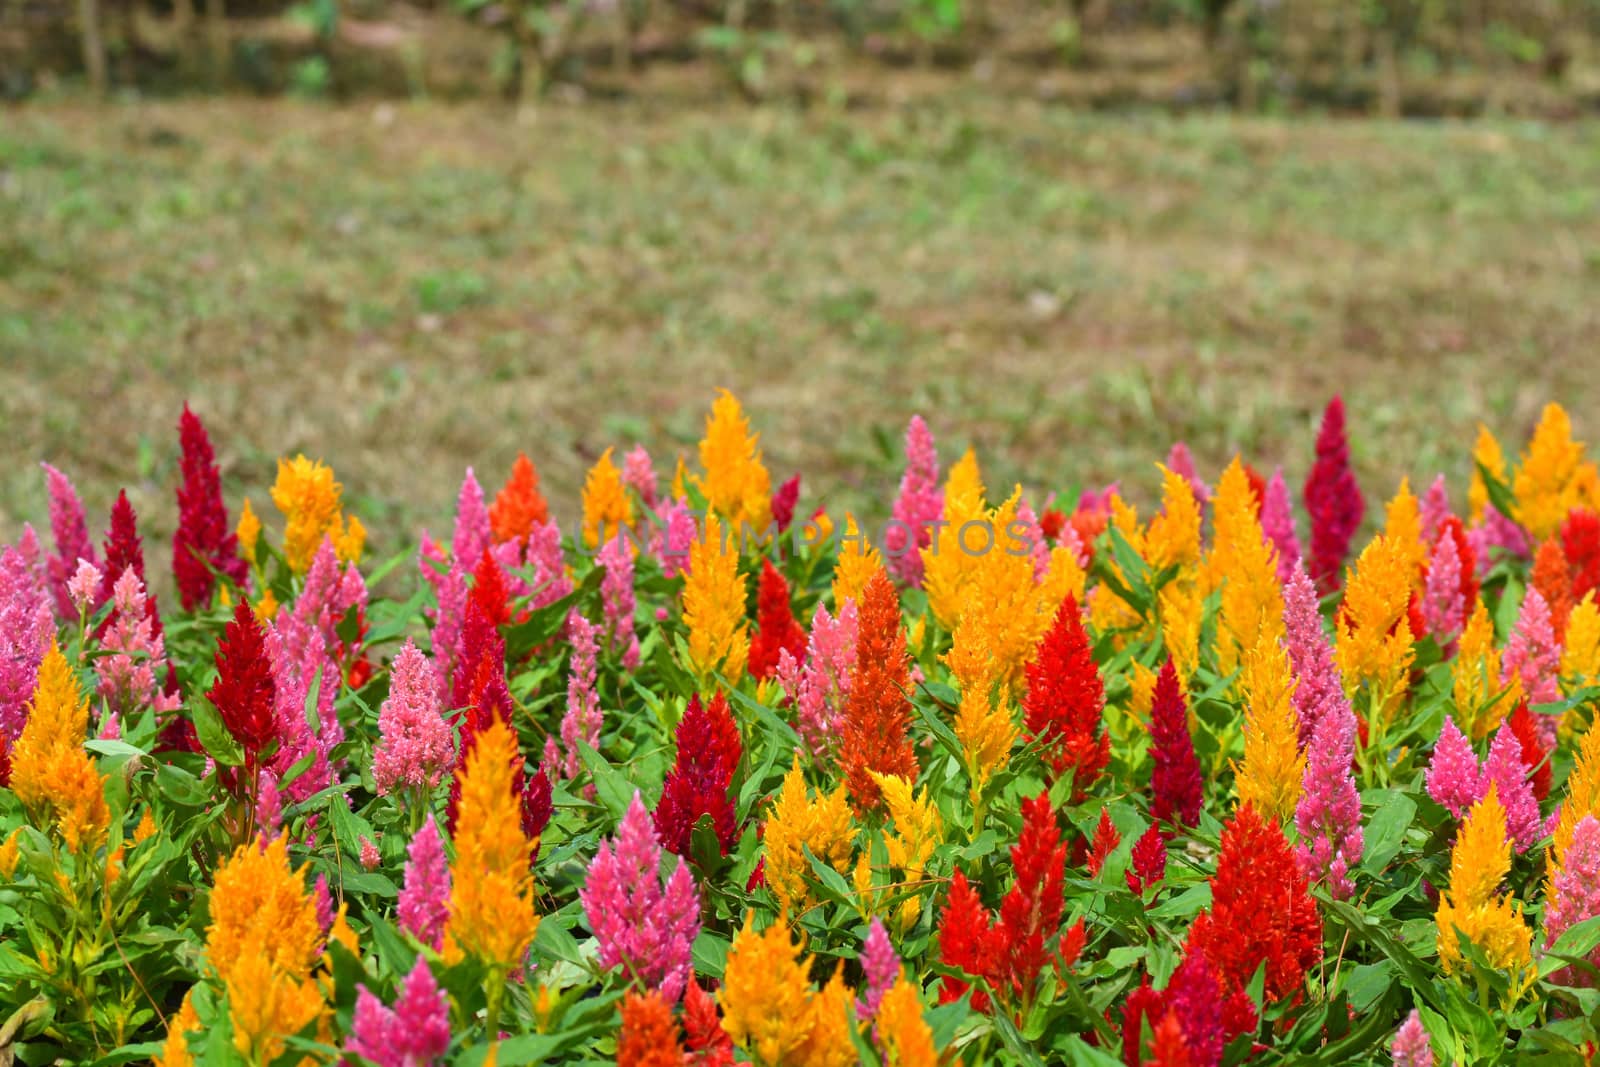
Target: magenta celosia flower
111,727
1453,771
1444,606
1575,893
136,659
299,662
820,688
1506,769
1328,815
269,804
879,965
671,540
1411,1047
414,1033
785,499
332,592
1277,523
1496,532
640,921
416,747
204,544
542,554
1534,655
616,596
1332,499
323,900
583,718
1180,461
639,474
425,897
71,535
920,503
472,533
1318,688
449,582
26,627
1435,507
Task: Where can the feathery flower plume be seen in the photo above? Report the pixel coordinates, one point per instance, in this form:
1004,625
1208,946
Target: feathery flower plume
1402,524
1535,756
1471,907
777,630
519,506
785,499
1147,860
917,507
709,750
1065,702
26,629
736,485
639,474
1444,608
1580,543
857,562
1552,577
1180,461
1277,523
1411,1047
269,804
71,535
415,747
414,1033
308,496
770,1010
123,547
918,830
606,507
672,542
84,587
1533,658
1574,893
1332,499
50,772
1241,564
640,920
1189,1021
968,941
984,725
1583,795
1328,816
713,606
879,965
878,713
796,823
648,1036
1580,659
1176,785
820,687
245,691
1453,775
472,531
135,663
1549,483
1269,779
1318,688
1480,699
1374,638
617,601
1508,774
1173,539
1105,841
204,545
425,897
583,718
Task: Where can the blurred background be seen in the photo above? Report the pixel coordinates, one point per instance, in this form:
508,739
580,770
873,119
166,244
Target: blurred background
405,238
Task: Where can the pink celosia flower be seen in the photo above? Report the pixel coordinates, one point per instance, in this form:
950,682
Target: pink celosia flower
639,920
1496,532
639,474
583,718
414,1033
26,627
323,901
472,533
820,688
269,804
136,656
616,595
449,581
1277,523
1534,655
1411,1047
1506,769
671,540
542,554
71,534
1435,508
332,592
416,747
1180,461
879,965
1444,607
425,898
1575,893
1318,689
1328,814
299,663
920,503
111,727
370,856
1033,537
84,587
1453,771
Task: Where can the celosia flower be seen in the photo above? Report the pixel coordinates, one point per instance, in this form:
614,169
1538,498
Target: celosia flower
84,587
648,1036
1328,816
857,562
1176,785
1147,860
415,748
1318,689
606,507
203,546
785,499
1173,539
1411,1047
491,900
1269,778
414,1033
1332,499
248,531
1180,461
1583,795
736,485
878,713
1190,1010
71,535
968,941
269,804
984,725
1553,581
1479,861
583,718
1574,893
1374,632
26,628
946,569
1260,912
796,823
1065,701
1277,523
617,601
308,496
1506,771
770,1010
1476,674
123,547
709,750
1580,658
1533,658
917,507
1241,564
672,542
1403,525
1444,608
1435,507
50,772
918,828
713,606
425,898
777,630
1105,841
879,965
820,687
902,1032
1535,756
519,506
1547,484
639,474
1453,777
1580,543
244,692
134,655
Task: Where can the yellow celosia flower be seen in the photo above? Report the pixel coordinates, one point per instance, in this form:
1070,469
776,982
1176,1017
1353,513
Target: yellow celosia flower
308,496
714,605
770,1010
266,608
1583,795
1403,526
248,531
606,507
175,1050
1548,483
8,853
1242,564
1173,539
1480,860
918,827
50,772
680,480
1580,660
1181,607
491,896
736,484
1374,633
945,565
1480,702
264,943
1270,777
797,822
1108,612
79,797
907,1041
856,564
1486,453
1142,691
984,724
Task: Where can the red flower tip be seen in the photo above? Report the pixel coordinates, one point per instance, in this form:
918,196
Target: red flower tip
784,500
776,627
1065,701
878,713
244,690
709,750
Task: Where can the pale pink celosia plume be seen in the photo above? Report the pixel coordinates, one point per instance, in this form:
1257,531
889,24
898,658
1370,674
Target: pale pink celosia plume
472,534
1277,524
1444,606
416,747
1033,538
583,718
425,897
1411,1047
135,662
1435,508
820,687
332,591
880,966
71,535
414,1033
26,627
369,855
639,474
637,919
1328,815
920,503
543,555
449,582
1506,769
1318,690
1453,778
617,599
671,539
1180,461
1533,655
84,587
1575,893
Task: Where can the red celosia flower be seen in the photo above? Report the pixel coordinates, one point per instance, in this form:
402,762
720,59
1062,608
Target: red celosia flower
5,761
709,749
1553,578
1260,911
1525,728
1149,860
519,506
968,942
1030,913
1580,541
649,1036
1106,839
708,1044
123,547
1051,523
1192,1004
1333,500
1168,1046
1258,488
483,648
489,590
776,627
1072,942
204,544
244,690
1175,783
878,712
1065,701
783,503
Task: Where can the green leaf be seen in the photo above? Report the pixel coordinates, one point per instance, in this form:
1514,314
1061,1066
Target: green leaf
1386,832
214,735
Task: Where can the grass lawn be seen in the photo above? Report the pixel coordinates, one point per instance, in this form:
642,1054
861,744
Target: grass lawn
407,289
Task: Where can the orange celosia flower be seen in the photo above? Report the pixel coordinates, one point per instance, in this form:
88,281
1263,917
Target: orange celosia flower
1478,863
175,1049
8,853
1552,478
519,506
1403,526
714,605
1270,777
50,772
606,506
248,531
902,1031
735,484
799,822
1374,641
649,1036
945,566
1181,607
1242,565
491,899
1552,577
308,496
770,1010
1487,454
878,713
